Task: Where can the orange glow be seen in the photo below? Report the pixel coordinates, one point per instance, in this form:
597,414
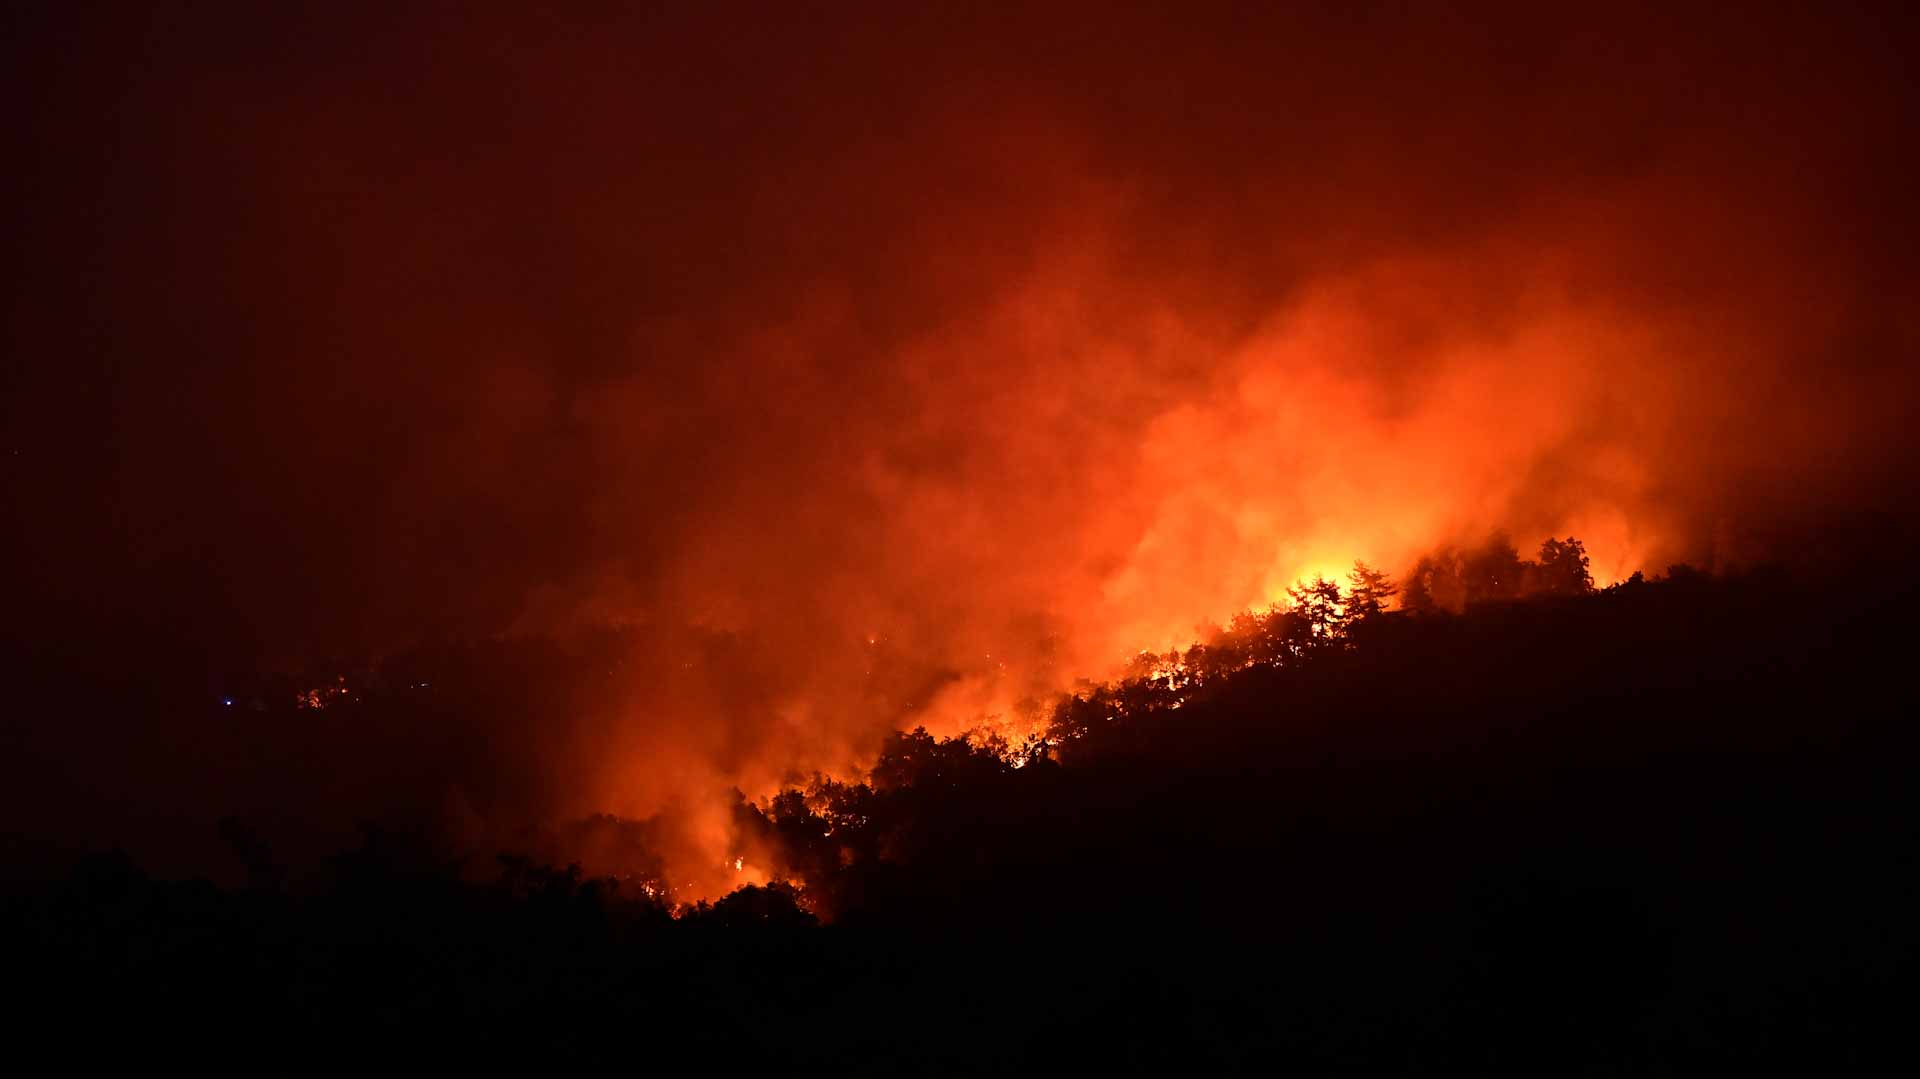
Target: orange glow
897,370
1111,507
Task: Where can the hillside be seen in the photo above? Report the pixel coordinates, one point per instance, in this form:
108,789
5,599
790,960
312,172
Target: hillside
1650,829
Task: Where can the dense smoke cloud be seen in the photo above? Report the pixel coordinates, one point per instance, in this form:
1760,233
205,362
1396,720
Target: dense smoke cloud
971,352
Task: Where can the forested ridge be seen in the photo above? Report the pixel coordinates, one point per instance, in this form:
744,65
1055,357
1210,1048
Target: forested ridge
1487,817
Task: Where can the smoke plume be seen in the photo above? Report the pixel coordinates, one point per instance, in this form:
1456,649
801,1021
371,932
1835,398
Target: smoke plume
900,367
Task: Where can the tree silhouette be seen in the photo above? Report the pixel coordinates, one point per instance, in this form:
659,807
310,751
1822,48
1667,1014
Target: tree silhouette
1418,595
1563,569
1369,592
1321,619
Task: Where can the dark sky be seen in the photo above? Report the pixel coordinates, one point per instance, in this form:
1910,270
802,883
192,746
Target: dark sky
328,331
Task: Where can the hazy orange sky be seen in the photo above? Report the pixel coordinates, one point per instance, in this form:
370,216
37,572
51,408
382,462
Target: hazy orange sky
1009,342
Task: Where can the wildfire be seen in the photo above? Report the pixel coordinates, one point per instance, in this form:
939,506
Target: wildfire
321,697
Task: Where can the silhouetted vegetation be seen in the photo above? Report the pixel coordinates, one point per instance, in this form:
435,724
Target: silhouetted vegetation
1663,827
1454,579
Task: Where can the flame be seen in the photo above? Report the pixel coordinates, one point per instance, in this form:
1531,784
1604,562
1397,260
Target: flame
989,390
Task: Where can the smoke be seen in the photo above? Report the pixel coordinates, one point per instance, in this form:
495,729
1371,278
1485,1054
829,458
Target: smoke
903,368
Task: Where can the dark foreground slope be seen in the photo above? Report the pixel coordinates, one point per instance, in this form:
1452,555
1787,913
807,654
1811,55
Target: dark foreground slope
1658,830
